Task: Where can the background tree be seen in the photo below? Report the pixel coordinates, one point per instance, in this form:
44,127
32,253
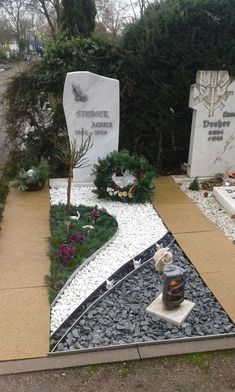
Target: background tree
156,63
112,17
138,7
50,10
78,17
15,12
5,31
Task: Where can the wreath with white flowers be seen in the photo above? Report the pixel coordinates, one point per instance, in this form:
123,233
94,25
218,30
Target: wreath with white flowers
124,177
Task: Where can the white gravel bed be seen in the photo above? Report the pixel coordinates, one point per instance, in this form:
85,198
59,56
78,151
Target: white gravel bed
213,210
139,227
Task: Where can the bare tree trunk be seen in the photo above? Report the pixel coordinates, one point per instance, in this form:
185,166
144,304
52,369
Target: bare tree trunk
48,18
57,7
74,157
69,186
44,7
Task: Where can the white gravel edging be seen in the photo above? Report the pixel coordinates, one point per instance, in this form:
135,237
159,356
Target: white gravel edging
213,210
139,227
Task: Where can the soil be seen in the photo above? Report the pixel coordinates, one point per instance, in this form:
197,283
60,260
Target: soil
189,373
11,69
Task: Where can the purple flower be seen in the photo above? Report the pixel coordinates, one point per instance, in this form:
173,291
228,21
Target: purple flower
95,214
75,238
65,252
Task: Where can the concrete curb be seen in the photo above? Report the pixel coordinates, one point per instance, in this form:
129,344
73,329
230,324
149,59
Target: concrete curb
118,354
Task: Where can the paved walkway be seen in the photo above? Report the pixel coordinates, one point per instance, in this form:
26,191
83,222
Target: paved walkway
24,311
212,254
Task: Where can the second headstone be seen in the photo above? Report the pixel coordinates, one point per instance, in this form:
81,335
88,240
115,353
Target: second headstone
212,144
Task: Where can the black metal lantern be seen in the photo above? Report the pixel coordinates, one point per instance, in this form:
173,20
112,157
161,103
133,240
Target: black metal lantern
173,286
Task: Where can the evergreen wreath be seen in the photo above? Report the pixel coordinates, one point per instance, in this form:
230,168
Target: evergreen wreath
128,167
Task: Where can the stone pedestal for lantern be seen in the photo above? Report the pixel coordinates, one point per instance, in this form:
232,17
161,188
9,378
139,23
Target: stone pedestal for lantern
175,316
170,305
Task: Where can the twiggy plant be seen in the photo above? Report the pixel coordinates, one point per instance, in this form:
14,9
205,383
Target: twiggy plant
73,155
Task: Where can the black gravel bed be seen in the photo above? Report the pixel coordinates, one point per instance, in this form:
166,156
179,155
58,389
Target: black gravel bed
120,317
119,274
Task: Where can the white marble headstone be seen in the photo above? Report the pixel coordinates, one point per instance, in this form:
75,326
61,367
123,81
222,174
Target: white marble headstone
225,195
91,102
212,144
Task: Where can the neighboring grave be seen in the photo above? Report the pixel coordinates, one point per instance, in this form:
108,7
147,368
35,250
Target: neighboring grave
225,195
212,144
91,102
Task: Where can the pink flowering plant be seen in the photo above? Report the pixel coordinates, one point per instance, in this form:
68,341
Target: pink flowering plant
75,235
95,215
65,253
76,238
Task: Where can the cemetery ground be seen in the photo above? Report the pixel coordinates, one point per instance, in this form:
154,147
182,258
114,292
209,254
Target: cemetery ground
25,309
210,372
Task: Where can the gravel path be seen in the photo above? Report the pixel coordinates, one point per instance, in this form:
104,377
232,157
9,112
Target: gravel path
213,210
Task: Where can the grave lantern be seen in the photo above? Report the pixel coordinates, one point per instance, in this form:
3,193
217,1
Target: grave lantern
173,279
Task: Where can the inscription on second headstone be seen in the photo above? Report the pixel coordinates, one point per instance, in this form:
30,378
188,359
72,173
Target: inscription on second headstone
212,144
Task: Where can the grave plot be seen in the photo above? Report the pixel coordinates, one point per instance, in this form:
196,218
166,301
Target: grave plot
114,311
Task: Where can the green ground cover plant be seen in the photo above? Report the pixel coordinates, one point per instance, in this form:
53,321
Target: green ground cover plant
194,185
74,240
30,174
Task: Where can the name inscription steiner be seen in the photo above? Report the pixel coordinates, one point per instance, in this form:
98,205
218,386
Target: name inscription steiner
91,102
212,144
95,124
